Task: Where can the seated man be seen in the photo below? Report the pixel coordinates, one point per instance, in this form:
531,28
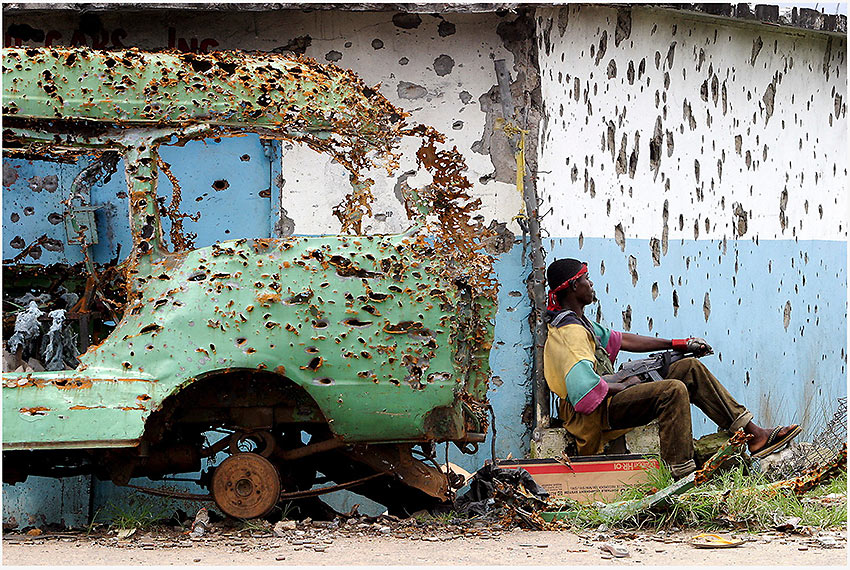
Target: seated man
596,408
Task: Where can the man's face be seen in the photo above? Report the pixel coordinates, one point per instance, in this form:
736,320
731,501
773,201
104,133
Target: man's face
584,290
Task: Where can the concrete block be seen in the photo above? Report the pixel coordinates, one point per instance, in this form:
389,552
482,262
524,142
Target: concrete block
644,439
552,443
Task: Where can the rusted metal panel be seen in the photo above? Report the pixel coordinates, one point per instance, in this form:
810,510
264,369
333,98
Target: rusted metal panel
301,307
806,18
379,330
396,459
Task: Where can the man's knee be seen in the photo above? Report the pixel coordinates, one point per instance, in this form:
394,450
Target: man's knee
674,390
686,366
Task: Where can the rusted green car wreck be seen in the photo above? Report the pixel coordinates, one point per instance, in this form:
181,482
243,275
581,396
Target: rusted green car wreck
373,346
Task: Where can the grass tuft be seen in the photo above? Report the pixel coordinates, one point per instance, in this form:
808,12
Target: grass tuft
736,499
136,511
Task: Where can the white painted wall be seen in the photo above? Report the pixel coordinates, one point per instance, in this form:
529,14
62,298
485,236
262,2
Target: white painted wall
745,155
668,249
407,66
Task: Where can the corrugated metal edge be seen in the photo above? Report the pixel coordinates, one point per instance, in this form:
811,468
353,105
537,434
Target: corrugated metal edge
757,14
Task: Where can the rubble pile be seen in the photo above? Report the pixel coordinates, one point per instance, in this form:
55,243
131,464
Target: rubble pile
32,349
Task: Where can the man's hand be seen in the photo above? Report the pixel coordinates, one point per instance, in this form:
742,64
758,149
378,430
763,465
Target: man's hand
695,344
615,387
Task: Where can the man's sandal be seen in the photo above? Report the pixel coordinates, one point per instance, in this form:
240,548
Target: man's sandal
775,443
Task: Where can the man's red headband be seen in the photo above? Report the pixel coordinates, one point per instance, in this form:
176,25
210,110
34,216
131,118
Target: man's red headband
553,294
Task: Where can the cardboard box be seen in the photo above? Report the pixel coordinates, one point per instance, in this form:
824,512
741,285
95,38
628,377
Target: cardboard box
586,479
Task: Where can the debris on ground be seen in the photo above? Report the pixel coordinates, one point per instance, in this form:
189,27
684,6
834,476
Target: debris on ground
706,540
281,527
509,495
664,497
802,456
200,524
509,500
615,550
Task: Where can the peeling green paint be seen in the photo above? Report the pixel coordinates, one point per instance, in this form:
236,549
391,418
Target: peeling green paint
389,335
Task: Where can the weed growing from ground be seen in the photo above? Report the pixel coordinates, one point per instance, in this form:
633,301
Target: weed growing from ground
255,525
136,511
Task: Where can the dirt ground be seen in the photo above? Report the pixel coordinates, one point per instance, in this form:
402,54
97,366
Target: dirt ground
377,544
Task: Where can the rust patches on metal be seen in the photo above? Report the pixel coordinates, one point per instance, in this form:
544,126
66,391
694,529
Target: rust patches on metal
65,383
73,383
816,476
266,299
179,240
403,327
152,328
735,446
35,411
331,111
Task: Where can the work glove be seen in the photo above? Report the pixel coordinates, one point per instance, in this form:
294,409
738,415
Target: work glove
694,344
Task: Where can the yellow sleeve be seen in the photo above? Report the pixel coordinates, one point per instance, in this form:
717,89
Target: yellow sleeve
565,347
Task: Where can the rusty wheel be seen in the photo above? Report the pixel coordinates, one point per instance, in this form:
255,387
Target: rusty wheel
246,486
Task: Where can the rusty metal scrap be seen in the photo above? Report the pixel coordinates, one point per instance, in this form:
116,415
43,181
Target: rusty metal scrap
801,456
735,447
179,241
396,460
100,95
376,338
815,476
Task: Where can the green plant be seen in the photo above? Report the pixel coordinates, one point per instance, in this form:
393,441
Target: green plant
445,518
93,523
254,525
286,509
136,511
738,498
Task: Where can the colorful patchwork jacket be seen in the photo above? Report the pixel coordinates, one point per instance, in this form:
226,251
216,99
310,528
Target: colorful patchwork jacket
576,354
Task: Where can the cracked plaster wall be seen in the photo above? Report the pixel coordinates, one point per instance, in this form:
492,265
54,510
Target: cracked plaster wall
700,168
439,68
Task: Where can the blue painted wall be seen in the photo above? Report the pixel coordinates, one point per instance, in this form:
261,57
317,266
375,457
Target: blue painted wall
32,208
45,500
510,363
782,373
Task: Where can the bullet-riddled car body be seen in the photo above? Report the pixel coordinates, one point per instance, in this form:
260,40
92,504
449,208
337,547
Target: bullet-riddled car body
351,339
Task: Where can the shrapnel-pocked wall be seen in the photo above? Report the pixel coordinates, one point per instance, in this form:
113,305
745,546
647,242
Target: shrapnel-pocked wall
699,166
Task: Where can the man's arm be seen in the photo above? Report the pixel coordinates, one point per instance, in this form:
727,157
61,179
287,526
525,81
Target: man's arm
640,343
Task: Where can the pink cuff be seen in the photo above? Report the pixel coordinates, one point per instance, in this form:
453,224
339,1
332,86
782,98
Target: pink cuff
593,398
615,341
